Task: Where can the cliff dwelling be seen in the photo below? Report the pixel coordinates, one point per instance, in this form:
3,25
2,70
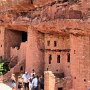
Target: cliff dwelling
50,36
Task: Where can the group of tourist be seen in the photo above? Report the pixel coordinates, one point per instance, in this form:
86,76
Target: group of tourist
28,81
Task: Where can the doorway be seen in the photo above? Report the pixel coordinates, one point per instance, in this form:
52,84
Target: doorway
24,36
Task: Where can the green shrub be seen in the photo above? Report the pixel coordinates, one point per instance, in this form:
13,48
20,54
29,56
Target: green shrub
4,67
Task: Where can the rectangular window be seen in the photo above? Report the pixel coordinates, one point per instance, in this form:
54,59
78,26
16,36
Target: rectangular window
58,58
48,43
31,1
60,88
68,57
50,58
55,43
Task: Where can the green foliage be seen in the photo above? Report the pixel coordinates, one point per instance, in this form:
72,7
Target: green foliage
4,67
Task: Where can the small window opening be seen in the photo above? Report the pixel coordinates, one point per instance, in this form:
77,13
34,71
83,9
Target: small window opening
74,51
84,80
74,77
65,1
58,58
68,57
60,88
50,58
1,45
32,1
21,68
48,43
55,43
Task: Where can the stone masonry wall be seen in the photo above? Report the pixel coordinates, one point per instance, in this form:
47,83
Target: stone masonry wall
52,82
12,39
80,56
21,52
2,31
14,52
34,52
62,48
49,80
41,3
63,42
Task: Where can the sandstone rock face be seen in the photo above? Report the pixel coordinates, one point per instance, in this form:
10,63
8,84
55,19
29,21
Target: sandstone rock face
48,35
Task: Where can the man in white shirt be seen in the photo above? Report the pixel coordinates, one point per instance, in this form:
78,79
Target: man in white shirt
26,78
35,83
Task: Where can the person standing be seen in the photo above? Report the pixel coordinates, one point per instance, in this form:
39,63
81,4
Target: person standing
20,83
26,78
33,73
41,82
35,83
13,81
30,84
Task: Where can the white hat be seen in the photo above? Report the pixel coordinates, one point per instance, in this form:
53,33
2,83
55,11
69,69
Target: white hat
26,72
